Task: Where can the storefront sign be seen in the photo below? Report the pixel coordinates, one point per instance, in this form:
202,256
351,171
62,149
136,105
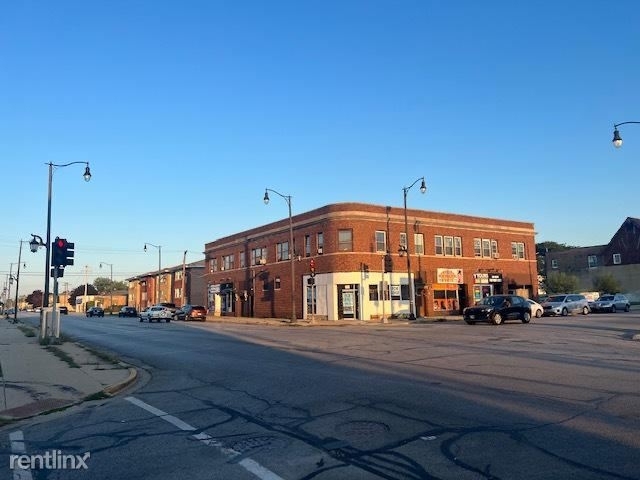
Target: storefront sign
449,275
481,278
495,278
214,288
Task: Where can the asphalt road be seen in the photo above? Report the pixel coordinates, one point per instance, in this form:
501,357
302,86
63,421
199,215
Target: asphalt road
557,398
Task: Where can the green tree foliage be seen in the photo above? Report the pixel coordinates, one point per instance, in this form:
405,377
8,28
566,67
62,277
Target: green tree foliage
606,284
79,292
105,285
560,282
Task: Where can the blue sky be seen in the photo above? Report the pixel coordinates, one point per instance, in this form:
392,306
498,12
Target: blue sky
187,110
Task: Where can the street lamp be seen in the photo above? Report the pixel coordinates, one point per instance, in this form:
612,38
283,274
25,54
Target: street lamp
287,198
110,286
159,247
404,249
87,177
617,139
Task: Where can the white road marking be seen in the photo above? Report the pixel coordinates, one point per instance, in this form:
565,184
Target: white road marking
247,463
17,447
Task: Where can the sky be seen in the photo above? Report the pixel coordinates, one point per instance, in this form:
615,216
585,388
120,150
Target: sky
186,111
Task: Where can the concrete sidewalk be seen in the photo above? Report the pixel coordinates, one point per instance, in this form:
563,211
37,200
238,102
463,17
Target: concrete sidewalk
36,379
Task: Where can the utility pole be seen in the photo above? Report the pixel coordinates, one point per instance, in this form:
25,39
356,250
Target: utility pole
185,300
84,297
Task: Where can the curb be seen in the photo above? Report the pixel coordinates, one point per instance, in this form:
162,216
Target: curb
114,389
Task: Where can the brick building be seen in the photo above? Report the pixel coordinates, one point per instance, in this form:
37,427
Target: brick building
180,284
455,260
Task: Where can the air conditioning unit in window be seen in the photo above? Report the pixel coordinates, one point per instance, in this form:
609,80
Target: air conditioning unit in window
496,255
515,256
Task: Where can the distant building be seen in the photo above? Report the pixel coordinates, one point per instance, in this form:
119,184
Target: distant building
179,284
619,258
455,260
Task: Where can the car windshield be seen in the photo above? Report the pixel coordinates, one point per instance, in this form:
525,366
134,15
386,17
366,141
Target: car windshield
556,298
492,301
605,298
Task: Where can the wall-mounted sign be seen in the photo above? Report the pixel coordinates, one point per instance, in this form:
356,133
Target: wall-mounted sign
495,278
449,275
485,278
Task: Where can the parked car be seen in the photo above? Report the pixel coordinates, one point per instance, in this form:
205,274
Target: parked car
191,312
95,312
536,309
611,303
565,304
156,313
128,312
498,308
169,305
63,310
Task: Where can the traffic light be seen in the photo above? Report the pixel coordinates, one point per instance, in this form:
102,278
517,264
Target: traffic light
59,252
365,270
312,267
388,263
69,253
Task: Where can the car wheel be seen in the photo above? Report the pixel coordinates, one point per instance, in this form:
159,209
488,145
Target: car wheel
613,309
526,317
565,312
538,313
470,322
585,310
496,319
168,319
141,319
627,308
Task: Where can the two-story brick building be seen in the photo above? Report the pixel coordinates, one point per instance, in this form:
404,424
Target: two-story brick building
455,260
180,284
619,258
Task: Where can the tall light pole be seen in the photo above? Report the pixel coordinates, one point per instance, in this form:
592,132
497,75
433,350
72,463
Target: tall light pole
405,248
159,247
287,199
110,286
87,177
15,304
617,139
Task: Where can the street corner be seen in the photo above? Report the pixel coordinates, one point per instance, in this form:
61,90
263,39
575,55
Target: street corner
118,387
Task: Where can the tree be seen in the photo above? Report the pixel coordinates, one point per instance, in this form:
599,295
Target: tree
105,285
35,298
560,282
79,292
606,284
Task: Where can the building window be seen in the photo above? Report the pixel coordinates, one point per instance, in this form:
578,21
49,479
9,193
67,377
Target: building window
243,259
418,239
276,283
213,265
554,263
320,241
307,245
404,292
448,246
282,251
373,293
381,241
438,244
457,246
227,262
617,259
345,240
517,250
477,247
403,240
486,247
259,256
494,249
592,261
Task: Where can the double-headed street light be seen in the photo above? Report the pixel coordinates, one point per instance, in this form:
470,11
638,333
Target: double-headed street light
110,286
87,177
287,199
617,139
404,249
159,247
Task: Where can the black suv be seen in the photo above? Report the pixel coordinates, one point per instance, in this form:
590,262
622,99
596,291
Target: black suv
128,312
95,312
191,312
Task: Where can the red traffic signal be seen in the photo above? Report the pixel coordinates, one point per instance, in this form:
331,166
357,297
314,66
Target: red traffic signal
312,267
61,242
